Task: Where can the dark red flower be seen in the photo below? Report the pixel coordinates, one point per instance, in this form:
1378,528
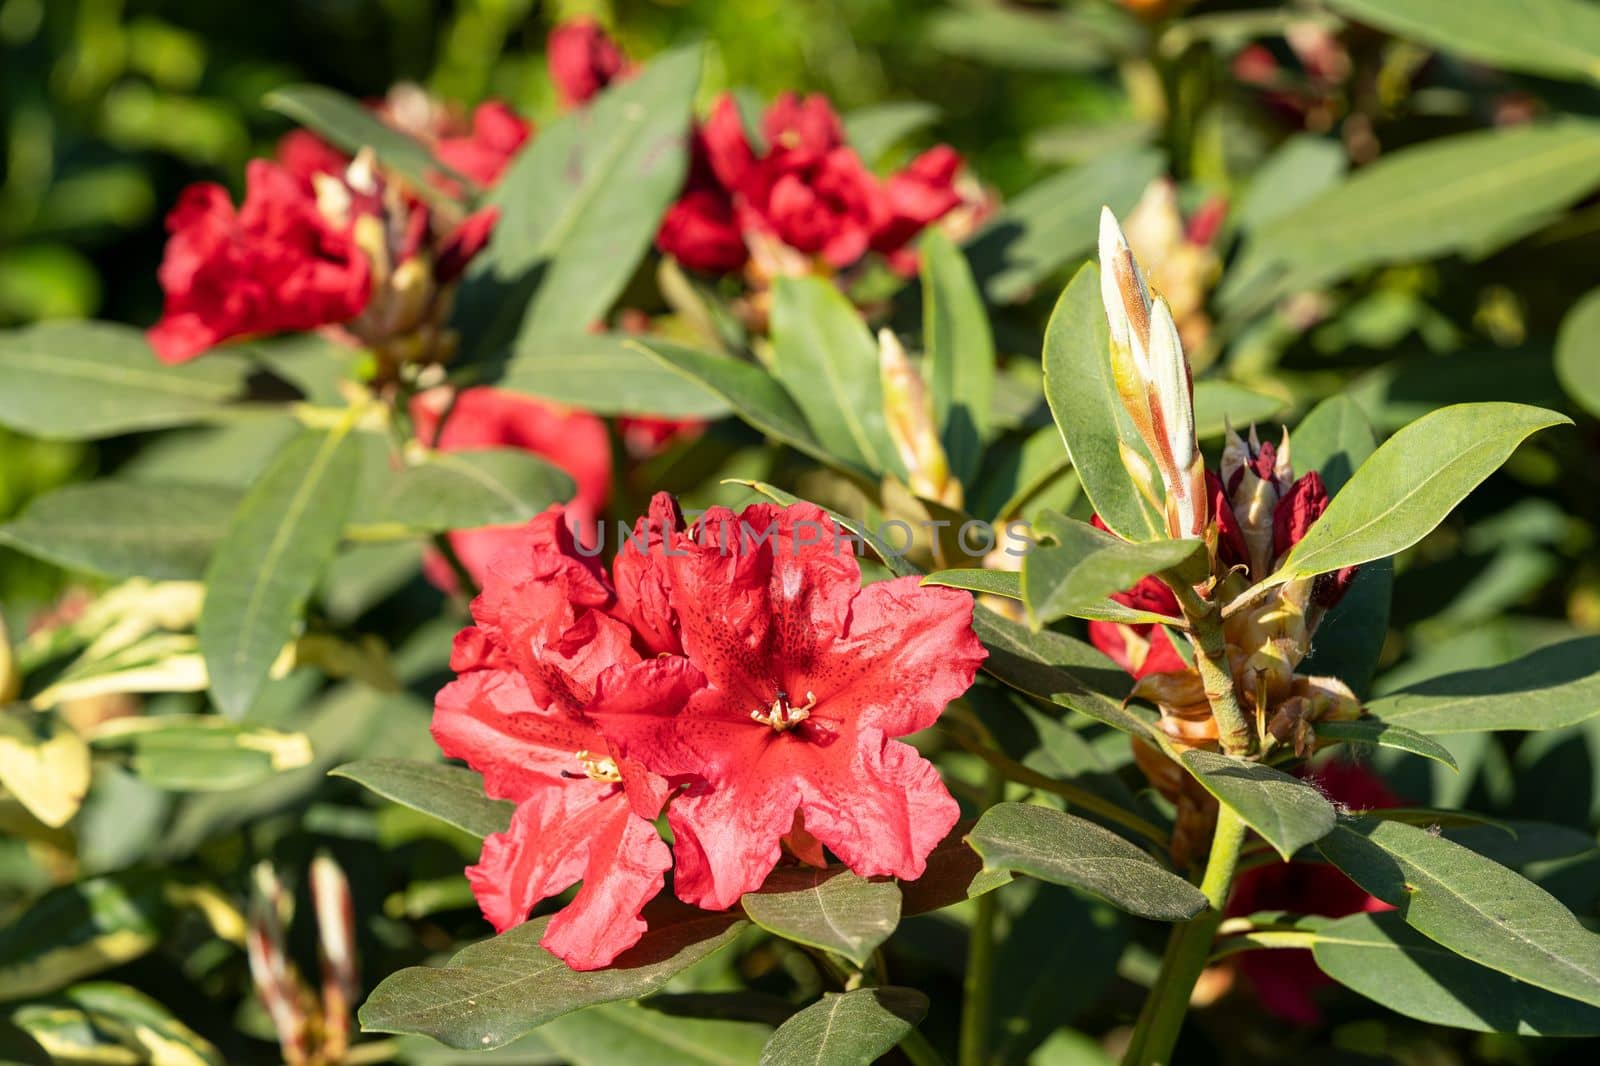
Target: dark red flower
482,154
1232,549
722,143
702,232
918,195
1293,518
484,417
276,264
1284,980
801,129
811,676
829,208
305,155
541,654
1144,647
463,243
583,59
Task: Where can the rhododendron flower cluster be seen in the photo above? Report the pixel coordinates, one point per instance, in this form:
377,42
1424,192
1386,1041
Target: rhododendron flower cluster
734,673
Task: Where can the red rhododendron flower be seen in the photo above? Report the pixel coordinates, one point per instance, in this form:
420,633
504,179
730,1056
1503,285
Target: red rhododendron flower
702,232
275,264
1293,518
482,154
1141,648
922,193
1284,980
305,155
484,417
583,59
543,653
811,677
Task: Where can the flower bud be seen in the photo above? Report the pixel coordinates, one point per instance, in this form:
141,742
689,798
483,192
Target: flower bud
336,928
277,982
1256,476
908,410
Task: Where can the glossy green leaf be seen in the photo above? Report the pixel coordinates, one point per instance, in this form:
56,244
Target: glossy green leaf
452,794
494,991
1471,905
832,909
753,394
1058,669
78,930
347,124
459,490
262,572
1287,812
1085,565
1052,224
993,582
1083,399
1219,404
1555,38
579,208
875,129
607,374
126,529
87,380
1469,193
1382,958
1578,353
1550,688
202,753
1383,734
960,353
828,361
846,1029
1064,849
1411,483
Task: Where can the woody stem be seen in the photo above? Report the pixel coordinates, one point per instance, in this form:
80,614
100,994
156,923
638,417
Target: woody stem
1234,728
980,956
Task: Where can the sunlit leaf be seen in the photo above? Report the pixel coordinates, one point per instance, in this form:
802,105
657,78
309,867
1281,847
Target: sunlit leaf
1546,689
1287,812
1085,565
451,794
960,354
832,909
847,1029
1556,38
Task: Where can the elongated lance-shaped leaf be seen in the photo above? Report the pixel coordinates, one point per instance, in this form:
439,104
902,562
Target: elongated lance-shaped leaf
1058,669
832,909
1550,688
261,574
846,1029
452,794
1578,353
1411,483
1556,38
1074,576
960,353
1064,849
1471,905
1387,735
459,490
608,374
1287,812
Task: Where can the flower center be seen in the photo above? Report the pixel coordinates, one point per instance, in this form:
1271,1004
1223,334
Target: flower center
781,715
598,767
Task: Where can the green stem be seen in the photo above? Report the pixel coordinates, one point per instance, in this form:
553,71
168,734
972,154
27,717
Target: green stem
979,979
916,1048
1234,728
1156,1033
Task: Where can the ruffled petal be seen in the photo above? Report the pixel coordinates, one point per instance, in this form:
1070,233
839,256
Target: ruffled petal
727,840
626,867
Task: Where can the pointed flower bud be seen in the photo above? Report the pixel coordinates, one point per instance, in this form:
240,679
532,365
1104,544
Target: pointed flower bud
1152,379
908,410
336,928
1257,476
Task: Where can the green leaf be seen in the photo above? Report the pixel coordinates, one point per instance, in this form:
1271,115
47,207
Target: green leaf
608,374
1411,483
1296,173
1550,688
201,753
1064,849
44,763
827,360
1469,193
494,991
753,394
994,582
126,529
1083,399
1471,905
847,1029
1380,957
348,125
1578,353
1387,735
107,1022
263,571
875,129
452,794
1053,223
1287,812
461,490
1086,565
954,874
87,380
636,1033
1555,38
960,354
832,909
1219,404
78,930
1058,669
1030,39
578,208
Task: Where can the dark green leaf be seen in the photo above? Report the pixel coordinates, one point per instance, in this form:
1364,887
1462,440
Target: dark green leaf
849,1029
1578,353
1287,812
78,930
126,529
607,374
86,380
1556,38
954,874
460,490
1546,689
494,991
452,794
272,556
1074,576
1055,667
614,1033
1471,905
1386,735
1382,958
960,354
1064,849
832,909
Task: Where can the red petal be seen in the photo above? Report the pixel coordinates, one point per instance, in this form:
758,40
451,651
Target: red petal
726,841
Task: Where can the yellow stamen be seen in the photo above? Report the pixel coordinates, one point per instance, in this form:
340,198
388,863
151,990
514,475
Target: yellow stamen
781,715
598,768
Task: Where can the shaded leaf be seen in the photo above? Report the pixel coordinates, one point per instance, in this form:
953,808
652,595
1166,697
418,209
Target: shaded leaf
1085,565
954,873
1287,812
1578,353
832,909
1056,668
607,374
80,929
452,794
848,1029
1547,689
960,354
613,1033
1064,849
1386,735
